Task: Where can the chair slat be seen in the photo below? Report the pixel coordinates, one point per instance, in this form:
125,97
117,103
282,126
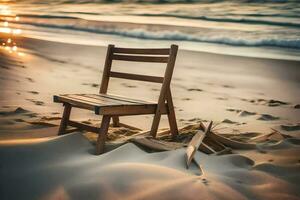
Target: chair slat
137,77
129,110
95,101
112,96
82,126
77,98
142,51
155,59
113,100
74,102
102,100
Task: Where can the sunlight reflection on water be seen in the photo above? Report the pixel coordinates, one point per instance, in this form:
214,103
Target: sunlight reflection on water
9,34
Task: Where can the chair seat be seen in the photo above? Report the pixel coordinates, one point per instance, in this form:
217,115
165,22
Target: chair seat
108,104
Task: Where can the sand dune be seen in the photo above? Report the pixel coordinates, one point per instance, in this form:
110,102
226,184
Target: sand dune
66,168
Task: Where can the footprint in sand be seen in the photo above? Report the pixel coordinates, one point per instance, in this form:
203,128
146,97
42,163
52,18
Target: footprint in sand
267,117
91,84
222,98
273,103
297,106
19,120
205,181
36,102
155,89
17,115
18,110
31,115
233,110
290,127
245,113
49,118
128,85
195,119
186,99
195,89
33,92
55,113
270,103
30,79
228,121
227,86
241,113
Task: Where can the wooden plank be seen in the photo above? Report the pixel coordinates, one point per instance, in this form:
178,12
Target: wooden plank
107,100
93,101
213,143
126,98
205,148
82,126
81,100
137,77
165,51
74,103
155,59
228,142
110,101
128,110
129,126
195,143
71,130
122,98
156,145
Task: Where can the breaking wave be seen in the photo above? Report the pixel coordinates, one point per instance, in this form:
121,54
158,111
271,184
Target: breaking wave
163,34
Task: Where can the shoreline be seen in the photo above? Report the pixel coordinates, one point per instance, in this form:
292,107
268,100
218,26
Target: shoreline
260,51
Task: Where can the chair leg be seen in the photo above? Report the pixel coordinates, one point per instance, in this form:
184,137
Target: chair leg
102,134
171,116
173,124
155,124
116,121
65,119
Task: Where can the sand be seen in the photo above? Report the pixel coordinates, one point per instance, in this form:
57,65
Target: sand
66,168
247,98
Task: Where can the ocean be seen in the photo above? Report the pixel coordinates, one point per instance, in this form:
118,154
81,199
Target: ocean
258,28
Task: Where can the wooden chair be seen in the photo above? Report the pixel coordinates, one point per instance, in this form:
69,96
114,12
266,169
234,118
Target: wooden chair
113,106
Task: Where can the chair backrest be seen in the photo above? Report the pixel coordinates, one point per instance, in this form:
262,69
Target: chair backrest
166,55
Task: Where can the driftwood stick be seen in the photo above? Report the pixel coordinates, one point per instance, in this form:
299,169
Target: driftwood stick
207,149
194,144
228,142
129,126
261,137
157,145
280,133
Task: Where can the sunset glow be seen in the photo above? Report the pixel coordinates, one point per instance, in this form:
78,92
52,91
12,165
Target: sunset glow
9,44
